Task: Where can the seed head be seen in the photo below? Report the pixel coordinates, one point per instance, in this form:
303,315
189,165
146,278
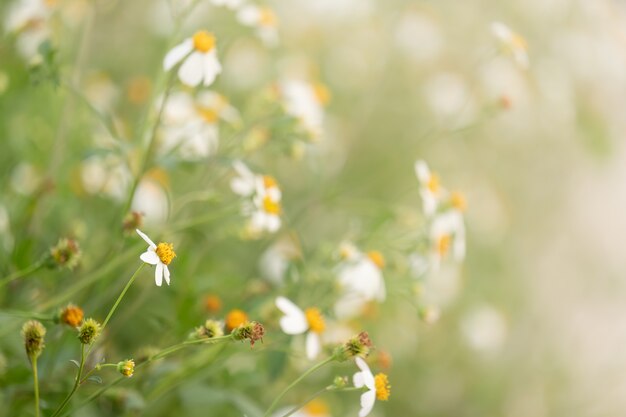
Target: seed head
71,315
33,333
66,253
89,331
252,331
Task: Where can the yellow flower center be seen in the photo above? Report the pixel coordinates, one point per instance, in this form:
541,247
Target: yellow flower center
316,408
208,114
165,252
322,93
269,181
72,315
457,200
433,183
203,41
270,206
235,318
443,244
383,389
128,368
212,303
377,257
315,319
518,42
267,17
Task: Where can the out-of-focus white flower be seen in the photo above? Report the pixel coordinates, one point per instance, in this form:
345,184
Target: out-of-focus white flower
484,329
262,199
511,43
377,386
263,20
199,59
151,200
295,321
429,187
275,260
419,37
450,98
107,174
101,91
361,280
190,126
29,20
447,234
160,255
305,102
230,4
25,179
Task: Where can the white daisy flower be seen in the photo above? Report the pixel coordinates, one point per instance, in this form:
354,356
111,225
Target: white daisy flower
275,261
512,43
430,190
244,184
190,125
305,102
447,234
160,255
29,19
263,19
199,59
295,321
361,280
377,387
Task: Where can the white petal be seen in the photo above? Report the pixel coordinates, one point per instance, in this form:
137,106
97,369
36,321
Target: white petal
368,377
166,274
367,402
211,67
150,257
158,274
192,70
146,238
272,222
177,53
241,187
358,380
313,345
294,320
422,172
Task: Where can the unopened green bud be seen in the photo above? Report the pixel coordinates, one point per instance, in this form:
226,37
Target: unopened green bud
88,331
33,333
126,368
340,382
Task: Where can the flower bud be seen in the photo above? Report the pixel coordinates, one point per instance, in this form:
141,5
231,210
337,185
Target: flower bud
88,331
132,221
340,382
359,345
66,253
71,315
252,331
126,368
210,329
33,333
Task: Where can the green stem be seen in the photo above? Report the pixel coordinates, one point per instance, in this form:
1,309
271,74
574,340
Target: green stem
36,384
308,400
27,315
97,368
119,299
18,274
76,383
294,383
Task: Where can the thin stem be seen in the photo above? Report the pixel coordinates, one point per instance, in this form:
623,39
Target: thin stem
36,384
308,400
294,383
97,368
27,315
119,299
76,383
19,274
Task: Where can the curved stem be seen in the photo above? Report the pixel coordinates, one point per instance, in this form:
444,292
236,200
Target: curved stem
119,299
294,383
19,274
308,400
36,385
76,383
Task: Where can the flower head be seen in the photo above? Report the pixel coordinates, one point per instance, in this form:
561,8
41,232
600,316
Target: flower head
212,303
210,329
296,321
305,102
71,315
377,387
126,368
263,20
235,318
66,253
33,333
357,346
252,331
199,59
511,43
89,331
160,255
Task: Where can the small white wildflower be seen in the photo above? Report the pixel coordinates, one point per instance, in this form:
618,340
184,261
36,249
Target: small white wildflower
160,255
199,56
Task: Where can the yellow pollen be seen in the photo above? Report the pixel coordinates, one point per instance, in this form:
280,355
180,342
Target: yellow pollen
383,389
377,257
315,319
457,200
269,181
203,41
270,206
267,17
443,244
208,114
316,408
433,183
235,318
165,252
322,93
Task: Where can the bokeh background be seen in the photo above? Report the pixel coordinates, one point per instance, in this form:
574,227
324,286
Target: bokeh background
532,321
